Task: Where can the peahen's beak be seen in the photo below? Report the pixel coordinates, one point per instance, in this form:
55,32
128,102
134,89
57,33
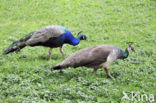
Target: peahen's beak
133,50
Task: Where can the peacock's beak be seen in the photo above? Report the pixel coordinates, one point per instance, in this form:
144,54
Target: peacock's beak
86,39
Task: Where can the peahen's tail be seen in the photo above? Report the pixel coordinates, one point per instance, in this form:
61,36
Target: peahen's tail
17,45
61,65
58,67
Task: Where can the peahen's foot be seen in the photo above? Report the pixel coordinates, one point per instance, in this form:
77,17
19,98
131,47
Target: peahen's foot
109,76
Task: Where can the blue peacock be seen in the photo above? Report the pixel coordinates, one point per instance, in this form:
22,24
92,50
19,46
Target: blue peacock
52,36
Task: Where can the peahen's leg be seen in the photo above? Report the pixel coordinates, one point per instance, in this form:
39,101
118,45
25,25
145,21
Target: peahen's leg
50,51
61,50
107,72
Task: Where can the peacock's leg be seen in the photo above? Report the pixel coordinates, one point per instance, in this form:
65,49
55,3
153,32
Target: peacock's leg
61,50
94,70
50,51
107,72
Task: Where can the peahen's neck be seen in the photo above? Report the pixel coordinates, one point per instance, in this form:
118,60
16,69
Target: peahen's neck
124,53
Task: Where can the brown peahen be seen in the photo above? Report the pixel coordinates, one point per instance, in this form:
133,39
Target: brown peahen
94,57
50,36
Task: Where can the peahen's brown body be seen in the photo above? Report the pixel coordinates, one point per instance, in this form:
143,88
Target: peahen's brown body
94,57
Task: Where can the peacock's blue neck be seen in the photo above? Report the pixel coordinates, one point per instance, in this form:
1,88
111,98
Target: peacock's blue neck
67,37
124,53
75,41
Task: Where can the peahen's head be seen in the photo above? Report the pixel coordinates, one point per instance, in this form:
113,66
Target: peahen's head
130,48
126,52
83,37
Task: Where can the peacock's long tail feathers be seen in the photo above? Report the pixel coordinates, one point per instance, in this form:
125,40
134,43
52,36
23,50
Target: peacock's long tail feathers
17,45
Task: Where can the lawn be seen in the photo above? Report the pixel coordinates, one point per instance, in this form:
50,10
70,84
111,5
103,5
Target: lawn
26,76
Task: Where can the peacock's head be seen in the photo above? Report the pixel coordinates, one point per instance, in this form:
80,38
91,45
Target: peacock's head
82,37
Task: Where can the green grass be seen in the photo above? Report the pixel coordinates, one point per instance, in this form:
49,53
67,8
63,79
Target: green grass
26,76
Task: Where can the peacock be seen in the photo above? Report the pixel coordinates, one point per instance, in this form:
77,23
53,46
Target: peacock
95,57
50,36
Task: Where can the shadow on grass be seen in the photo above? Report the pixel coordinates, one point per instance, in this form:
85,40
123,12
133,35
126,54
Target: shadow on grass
47,57
40,57
83,72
